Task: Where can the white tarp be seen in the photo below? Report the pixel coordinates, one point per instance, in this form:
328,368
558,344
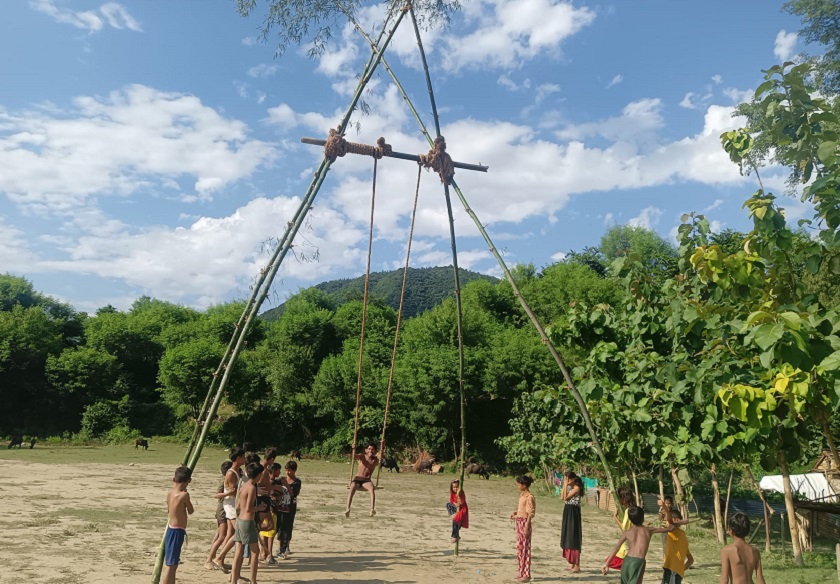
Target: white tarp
811,487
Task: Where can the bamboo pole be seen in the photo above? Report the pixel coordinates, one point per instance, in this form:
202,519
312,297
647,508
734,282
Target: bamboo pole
768,511
716,504
726,508
791,512
280,254
596,444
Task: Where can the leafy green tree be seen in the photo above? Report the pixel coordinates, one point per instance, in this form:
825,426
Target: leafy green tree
821,20
185,373
656,254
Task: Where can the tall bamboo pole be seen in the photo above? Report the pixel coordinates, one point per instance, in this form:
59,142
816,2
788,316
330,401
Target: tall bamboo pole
278,256
768,511
596,443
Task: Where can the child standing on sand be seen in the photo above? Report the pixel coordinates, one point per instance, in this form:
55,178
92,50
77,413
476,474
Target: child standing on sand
458,509
739,560
677,558
221,519
523,517
178,505
638,541
246,526
292,484
367,463
627,500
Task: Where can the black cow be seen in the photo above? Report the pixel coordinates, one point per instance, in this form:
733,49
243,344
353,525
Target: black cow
425,466
390,464
17,440
477,469
32,444
295,454
141,443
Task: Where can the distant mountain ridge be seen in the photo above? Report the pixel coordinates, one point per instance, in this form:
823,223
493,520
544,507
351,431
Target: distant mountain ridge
425,289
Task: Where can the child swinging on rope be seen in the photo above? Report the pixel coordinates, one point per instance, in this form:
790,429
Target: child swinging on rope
367,463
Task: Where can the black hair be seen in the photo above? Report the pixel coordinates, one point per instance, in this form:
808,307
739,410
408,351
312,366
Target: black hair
676,513
375,447
668,498
452,485
235,453
626,497
291,465
524,480
226,465
183,474
274,466
270,453
636,515
253,470
739,525
252,457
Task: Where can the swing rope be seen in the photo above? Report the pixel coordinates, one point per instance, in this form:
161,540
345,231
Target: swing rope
399,321
364,320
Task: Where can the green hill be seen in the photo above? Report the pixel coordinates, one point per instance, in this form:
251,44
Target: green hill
425,288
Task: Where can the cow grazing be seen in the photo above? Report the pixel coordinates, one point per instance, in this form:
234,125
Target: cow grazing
478,469
32,444
424,466
390,464
294,455
17,440
141,443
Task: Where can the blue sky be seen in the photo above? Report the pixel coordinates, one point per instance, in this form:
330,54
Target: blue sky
151,147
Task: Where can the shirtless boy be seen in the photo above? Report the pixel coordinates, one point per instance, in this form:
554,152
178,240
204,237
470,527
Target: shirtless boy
246,526
367,462
179,505
739,559
638,541
237,457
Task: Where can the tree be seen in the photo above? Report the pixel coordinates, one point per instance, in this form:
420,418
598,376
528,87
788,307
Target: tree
185,372
821,20
656,254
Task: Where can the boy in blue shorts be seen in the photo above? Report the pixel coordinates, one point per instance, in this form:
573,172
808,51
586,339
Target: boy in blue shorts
178,505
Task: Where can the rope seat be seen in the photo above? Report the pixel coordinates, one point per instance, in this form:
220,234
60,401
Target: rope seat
438,160
337,146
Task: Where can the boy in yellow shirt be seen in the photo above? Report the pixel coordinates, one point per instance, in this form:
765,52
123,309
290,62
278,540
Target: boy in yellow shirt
677,557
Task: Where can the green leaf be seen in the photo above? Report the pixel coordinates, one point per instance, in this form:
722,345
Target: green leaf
813,263
792,319
768,335
832,362
826,152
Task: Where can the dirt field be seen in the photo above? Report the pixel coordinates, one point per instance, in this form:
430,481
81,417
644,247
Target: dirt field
92,523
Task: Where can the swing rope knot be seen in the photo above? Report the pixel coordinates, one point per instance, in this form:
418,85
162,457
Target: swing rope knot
383,149
438,160
336,145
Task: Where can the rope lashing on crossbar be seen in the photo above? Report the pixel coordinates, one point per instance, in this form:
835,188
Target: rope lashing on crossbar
438,160
337,146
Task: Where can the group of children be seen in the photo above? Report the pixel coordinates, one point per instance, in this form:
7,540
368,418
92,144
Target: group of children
258,506
253,509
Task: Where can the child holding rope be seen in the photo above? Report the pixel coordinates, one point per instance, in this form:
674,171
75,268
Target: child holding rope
367,463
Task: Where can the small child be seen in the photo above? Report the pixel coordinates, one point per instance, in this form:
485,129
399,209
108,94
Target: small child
178,505
523,517
739,559
458,509
677,557
269,532
221,519
627,499
367,463
246,526
638,541
292,484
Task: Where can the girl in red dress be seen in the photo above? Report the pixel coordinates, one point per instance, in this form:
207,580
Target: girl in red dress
461,517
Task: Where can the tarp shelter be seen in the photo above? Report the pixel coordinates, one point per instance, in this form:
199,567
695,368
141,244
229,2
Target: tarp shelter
811,487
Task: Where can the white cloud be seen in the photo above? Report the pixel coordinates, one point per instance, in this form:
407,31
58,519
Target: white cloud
713,206
545,90
15,255
648,218
686,101
783,47
609,218
262,70
717,79
509,32
133,139
114,14
615,80
249,41
638,119
559,256
739,96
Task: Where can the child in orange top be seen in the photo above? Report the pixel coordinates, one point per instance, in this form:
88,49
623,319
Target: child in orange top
524,515
461,516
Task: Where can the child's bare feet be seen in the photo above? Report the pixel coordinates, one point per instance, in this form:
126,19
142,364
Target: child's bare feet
223,567
208,565
372,512
523,579
347,513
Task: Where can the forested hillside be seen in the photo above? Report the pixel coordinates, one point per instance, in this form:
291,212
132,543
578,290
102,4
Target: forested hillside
425,288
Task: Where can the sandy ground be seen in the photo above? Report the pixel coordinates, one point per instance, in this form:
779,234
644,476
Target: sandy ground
101,523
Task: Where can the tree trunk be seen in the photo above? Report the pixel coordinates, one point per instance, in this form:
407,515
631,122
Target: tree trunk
726,509
832,446
683,504
768,511
661,484
791,512
636,488
716,502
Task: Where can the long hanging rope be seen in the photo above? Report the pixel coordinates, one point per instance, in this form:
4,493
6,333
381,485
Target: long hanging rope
364,321
399,321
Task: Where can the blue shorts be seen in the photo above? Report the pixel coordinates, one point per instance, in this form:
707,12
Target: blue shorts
173,541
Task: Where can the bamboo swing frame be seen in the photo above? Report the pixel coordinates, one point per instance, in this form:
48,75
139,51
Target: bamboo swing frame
266,277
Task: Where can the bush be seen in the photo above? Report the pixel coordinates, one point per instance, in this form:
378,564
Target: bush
100,417
121,435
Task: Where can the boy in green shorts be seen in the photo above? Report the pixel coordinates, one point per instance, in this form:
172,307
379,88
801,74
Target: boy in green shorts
638,542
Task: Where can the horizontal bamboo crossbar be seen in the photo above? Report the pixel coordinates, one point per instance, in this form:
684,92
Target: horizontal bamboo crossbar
403,155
